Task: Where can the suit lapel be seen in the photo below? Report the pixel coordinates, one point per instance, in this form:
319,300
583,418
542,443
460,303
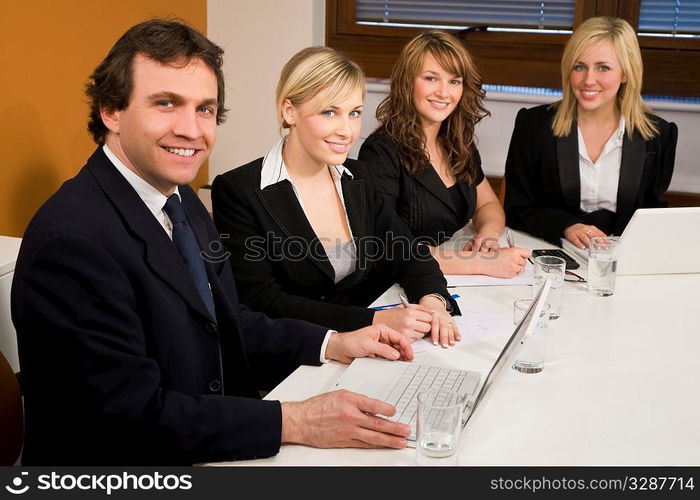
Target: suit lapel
430,179
633,153
569,176
354,194
282,205
355,205
161,254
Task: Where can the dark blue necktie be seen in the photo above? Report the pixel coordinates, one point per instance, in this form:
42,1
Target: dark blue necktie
186,243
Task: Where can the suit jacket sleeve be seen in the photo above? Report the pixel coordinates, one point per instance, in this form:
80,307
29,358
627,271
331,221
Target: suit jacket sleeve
418,273
276,347
79,303
382,159
259,289
525,208
666,157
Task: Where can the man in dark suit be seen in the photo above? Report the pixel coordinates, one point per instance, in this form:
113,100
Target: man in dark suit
133,351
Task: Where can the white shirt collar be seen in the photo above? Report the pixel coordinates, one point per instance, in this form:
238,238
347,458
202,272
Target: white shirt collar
154,199
274,170
619,134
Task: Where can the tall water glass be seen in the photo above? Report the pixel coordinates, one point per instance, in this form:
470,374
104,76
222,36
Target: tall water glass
439,425
530,355
602,265
547,266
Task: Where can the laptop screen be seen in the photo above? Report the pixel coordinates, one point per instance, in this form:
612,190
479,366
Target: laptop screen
526,324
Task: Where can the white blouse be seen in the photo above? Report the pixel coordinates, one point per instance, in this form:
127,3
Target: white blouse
599,180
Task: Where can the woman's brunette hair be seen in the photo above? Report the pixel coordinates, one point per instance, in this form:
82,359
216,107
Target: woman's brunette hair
400,120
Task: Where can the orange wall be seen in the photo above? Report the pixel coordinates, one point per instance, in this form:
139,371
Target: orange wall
48,48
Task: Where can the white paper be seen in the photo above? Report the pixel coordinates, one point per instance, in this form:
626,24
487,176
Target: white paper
474,325
423,345
524,278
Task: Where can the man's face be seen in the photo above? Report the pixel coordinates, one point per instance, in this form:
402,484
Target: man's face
169,127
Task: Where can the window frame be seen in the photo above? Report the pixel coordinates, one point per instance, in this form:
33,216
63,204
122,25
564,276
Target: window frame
671,65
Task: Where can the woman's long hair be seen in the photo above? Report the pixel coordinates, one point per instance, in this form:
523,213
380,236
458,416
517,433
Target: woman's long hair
629,98
400,120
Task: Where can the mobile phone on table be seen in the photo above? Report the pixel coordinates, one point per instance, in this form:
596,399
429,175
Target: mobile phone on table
555,252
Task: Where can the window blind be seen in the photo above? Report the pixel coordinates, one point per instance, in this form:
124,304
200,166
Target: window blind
670,17
493,13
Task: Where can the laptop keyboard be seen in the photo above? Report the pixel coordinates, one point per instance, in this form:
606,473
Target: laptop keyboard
417,378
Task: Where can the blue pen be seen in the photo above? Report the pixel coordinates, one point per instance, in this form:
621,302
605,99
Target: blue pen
388,306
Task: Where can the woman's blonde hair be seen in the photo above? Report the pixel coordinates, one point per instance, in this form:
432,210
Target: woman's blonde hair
313,70
629,98
400,120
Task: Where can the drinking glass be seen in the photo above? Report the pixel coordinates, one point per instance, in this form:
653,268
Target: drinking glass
602,265
439,425
530,355
554,268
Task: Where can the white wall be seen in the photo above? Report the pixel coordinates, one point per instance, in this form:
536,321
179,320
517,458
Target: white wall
258,38
494,132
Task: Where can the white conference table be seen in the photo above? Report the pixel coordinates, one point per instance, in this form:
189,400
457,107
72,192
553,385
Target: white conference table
621,384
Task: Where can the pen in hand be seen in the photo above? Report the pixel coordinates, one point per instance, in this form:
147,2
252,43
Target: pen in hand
404,300
509,238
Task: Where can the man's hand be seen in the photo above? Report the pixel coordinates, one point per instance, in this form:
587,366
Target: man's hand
342,419
375,340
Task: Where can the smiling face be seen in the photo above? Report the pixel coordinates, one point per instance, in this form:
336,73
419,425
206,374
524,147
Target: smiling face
169,126
596,78
322,135
436,92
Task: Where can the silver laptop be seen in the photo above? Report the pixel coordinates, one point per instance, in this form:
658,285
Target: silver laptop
656,241
398,383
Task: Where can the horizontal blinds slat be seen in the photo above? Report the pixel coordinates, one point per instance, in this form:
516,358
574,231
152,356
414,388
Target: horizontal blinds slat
494,13
670,16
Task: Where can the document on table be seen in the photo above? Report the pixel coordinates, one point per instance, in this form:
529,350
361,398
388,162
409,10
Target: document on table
474,325
524,278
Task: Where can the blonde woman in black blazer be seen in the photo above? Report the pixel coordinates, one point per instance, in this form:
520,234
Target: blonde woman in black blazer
308,235
600,130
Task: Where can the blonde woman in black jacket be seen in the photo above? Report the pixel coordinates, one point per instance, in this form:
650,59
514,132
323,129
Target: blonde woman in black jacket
308,235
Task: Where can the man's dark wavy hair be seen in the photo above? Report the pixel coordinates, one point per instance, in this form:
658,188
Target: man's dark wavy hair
162,40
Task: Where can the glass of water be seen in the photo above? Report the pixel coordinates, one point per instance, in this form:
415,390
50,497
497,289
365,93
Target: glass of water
547,266
602,265
438,427
530,354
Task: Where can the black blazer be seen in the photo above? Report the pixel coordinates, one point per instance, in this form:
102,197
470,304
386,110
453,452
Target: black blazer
121,363
421,200
543,190
261,228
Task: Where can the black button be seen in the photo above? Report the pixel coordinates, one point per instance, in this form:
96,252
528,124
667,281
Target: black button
214,386
211,328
